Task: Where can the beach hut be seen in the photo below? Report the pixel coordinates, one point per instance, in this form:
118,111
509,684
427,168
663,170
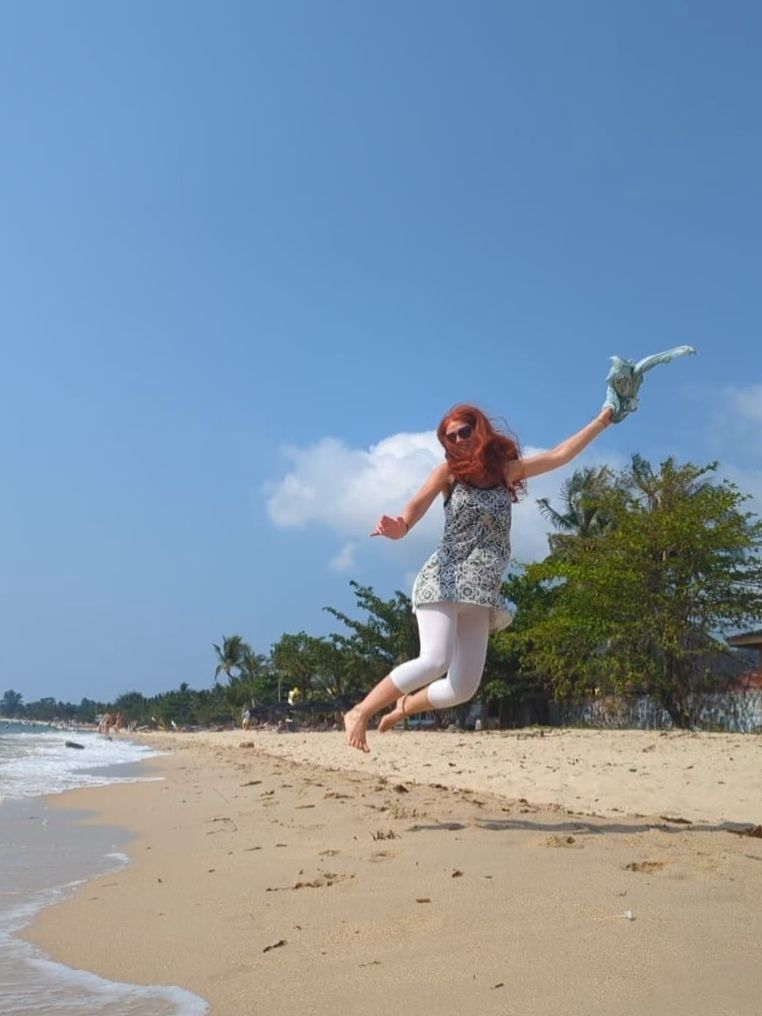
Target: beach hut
750,640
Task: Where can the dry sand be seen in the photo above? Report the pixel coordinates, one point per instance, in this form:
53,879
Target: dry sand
442,874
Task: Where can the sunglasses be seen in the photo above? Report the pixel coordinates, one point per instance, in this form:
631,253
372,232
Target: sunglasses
461,434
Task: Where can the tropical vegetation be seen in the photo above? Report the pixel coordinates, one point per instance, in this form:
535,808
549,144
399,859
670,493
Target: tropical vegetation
648,570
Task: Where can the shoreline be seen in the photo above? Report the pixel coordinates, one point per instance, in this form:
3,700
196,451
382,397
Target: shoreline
47,855
284,871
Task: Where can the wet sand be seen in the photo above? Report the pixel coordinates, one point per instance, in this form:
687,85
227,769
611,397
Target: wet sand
443,873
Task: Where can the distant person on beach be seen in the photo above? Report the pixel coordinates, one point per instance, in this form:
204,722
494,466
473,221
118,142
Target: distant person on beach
456,596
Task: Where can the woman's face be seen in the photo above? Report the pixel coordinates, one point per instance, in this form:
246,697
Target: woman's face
458,433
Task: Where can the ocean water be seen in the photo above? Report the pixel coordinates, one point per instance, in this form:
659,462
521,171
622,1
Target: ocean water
45,854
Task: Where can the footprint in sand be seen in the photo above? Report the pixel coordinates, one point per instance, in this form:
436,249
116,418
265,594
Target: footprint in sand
381,835
644,866
323,881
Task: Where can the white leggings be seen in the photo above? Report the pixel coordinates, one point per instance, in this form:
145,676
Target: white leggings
453,640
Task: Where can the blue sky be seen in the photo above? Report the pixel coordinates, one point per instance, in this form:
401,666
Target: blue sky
251,252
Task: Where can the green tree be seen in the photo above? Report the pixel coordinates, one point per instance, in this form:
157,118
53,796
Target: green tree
66,711
211,707
45,709
88,710
295,660
339,671
646,603
177,706
134,707
387,635
12,703
509,674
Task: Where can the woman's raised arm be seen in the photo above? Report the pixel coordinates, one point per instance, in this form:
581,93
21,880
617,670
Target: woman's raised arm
544,462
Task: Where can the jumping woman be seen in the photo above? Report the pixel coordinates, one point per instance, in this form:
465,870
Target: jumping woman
456,596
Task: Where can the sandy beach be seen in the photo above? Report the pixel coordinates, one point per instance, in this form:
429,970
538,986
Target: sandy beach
531,872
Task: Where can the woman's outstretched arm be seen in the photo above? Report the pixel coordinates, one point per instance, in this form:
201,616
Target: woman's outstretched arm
544,462
395,528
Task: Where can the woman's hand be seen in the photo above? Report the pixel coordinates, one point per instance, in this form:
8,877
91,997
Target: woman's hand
393,529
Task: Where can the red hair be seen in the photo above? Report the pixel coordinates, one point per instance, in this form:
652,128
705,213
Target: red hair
488,451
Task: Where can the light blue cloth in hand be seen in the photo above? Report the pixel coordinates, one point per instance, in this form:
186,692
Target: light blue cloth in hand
625,378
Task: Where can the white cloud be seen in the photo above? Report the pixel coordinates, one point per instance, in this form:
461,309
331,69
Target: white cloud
344,561
345,490
747,402
735,423
734,437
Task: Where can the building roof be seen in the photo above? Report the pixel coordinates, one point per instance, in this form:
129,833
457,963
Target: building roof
748,638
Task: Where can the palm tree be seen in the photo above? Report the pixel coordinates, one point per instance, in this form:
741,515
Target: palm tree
231,656
252,665
256,675
582,496
673,483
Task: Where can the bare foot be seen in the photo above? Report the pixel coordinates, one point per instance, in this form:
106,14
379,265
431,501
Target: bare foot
394,717
356,726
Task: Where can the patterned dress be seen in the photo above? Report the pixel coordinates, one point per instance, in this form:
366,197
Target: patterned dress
469,564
